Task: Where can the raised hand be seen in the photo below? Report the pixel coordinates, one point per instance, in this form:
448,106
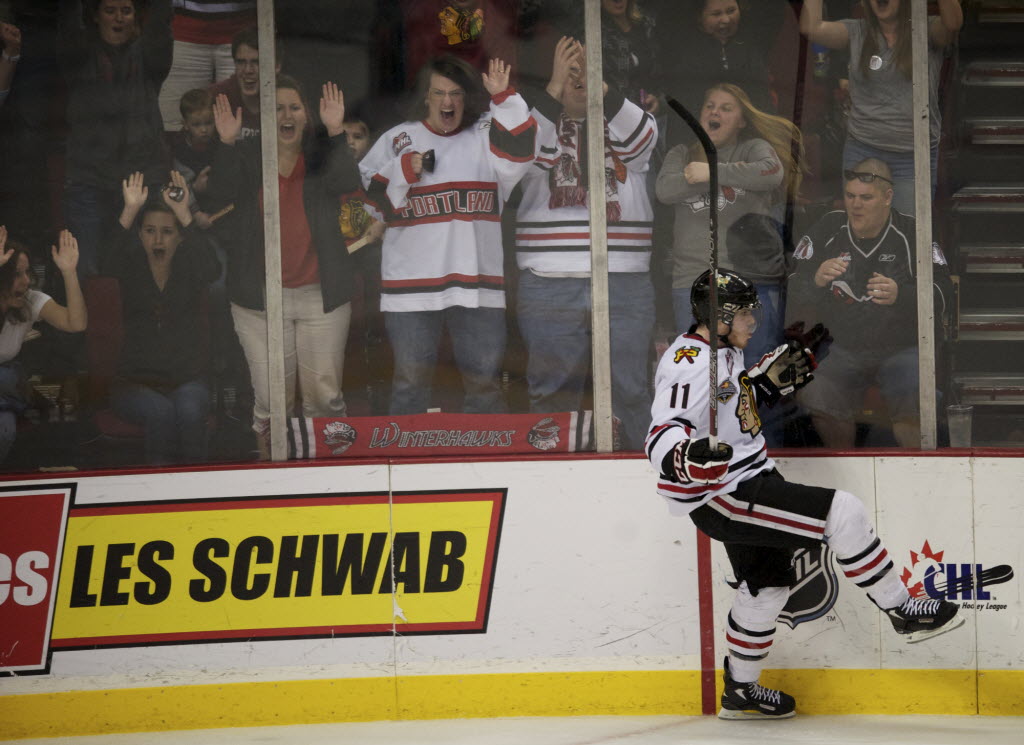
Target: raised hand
227,122
66,257
332,109
496,78
11,38
5,254
180,207
202,181
134,191
566,60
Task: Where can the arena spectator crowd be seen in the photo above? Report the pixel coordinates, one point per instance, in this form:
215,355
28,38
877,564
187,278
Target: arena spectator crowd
434,209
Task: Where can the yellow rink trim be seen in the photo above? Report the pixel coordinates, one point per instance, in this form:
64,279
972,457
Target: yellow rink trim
465,696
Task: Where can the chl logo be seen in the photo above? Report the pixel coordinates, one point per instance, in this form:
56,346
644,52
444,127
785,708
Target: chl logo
930,576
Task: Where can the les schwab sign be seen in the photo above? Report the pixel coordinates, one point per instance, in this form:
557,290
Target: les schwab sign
280,567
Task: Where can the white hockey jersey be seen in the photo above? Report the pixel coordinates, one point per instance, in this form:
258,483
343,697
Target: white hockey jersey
557,239
680,412
442,247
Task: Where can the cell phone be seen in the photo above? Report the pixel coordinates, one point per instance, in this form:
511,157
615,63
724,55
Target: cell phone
176,193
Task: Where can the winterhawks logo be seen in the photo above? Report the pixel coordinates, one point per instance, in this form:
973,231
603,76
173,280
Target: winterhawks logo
930,576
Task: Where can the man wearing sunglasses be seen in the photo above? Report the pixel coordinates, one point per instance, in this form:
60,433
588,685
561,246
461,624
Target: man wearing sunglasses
855,272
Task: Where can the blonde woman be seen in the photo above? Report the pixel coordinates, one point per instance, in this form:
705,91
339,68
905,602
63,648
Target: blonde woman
759,159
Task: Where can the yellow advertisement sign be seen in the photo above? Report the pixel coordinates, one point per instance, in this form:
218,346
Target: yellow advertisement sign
279,567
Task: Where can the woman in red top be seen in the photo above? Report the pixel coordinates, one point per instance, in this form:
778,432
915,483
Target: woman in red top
316,270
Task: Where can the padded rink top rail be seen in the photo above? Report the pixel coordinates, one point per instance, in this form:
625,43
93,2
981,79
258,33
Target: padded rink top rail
535,587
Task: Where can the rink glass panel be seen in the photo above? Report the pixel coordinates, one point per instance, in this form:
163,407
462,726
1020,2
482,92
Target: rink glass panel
367,49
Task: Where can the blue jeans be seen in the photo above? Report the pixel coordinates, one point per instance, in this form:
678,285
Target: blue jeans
174,422
770,327
88,211
478,343
901,165
554,318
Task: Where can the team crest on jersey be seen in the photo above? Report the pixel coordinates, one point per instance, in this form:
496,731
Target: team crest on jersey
887,257
804,249
401,141
845,256
746,407
686,353
937,256
353,220
726,390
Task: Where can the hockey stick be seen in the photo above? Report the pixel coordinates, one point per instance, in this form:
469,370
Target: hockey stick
712,155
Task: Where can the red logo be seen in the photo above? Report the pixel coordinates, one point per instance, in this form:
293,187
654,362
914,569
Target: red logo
32,524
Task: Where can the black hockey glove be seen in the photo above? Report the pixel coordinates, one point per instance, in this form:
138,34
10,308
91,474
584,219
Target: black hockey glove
817,339
785,369
694,462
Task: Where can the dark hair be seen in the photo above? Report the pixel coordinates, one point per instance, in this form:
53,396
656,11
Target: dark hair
290,83
250,36
7,272
195,100
156,205
92,8
459,72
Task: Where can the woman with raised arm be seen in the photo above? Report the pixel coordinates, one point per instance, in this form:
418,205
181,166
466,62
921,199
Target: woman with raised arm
20,307
314,170
163,265
880,123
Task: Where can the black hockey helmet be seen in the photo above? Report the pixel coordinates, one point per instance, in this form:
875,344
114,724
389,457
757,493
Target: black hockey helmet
734,294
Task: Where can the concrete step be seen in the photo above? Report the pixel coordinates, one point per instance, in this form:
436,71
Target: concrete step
995,131
1000,11
999,258
990,389
994,73
990,198
991,324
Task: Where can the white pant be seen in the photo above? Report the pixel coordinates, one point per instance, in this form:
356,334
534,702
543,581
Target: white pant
314,354
194,66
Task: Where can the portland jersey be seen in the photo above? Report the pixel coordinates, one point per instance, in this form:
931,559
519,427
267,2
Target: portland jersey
680,412
442,247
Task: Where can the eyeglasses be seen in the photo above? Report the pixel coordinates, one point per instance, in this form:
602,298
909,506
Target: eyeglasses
455,95
867,178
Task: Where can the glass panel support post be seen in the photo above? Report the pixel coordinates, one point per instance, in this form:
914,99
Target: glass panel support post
272,229
601,346
923,214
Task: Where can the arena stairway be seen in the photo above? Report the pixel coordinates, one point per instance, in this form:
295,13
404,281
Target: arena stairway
987,215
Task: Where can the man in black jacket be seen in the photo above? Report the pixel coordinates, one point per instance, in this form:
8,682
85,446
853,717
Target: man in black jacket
856,274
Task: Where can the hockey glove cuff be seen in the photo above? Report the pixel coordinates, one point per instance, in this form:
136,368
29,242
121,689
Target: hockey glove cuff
782,371
695,462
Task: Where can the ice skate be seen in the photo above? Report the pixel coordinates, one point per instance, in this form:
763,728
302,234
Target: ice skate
922,618
753,701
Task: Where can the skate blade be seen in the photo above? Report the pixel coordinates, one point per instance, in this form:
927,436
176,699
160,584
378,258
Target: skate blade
920,636
740,714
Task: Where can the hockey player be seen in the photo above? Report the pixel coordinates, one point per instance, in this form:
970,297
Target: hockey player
735,495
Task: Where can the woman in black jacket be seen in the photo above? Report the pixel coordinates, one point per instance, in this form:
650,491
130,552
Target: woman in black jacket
316,270
114,66
164,269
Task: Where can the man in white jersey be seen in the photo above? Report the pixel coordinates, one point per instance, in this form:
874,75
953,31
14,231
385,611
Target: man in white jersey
734,493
